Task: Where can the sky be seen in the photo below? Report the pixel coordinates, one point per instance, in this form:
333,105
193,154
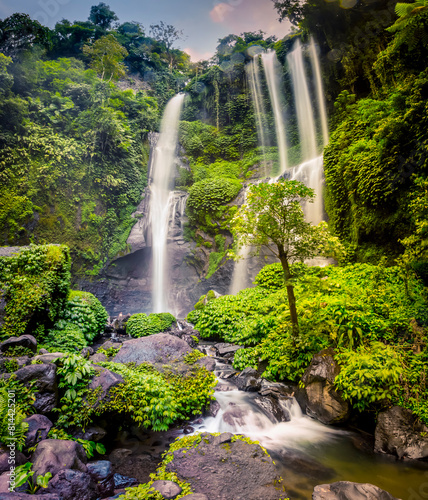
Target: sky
202,21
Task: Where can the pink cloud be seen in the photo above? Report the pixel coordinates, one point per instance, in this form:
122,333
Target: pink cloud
249,15
196,55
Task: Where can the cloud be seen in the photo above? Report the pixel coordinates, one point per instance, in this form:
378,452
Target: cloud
196,55
220,12
249,15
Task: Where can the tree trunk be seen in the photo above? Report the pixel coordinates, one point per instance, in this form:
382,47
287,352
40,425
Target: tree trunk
290,291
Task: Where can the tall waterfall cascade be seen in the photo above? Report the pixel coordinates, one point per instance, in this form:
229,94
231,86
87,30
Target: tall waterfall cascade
273,72
312,123
162,199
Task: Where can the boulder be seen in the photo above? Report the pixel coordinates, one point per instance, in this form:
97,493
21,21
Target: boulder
213,409
27,341
206,362
323,402
105,380
222,469
248,380
274,408
72,485
188,334
38,429
4,459
99,357
158,349
223,348
86,352
54,455
195,496
49,357
168,489
399,432
350,491
25,496
44,376
123,481
93,433
102,474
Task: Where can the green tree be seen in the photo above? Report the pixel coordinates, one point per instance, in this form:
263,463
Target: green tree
107,57
273,217
19,32
168,35
102,15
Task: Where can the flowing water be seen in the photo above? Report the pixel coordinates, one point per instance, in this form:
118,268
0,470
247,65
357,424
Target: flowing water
253,75
309,453
161,198
273,72
319,91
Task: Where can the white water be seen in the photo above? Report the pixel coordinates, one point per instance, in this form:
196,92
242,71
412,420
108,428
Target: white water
319,90
311,174
305,115
253,75
161,198
273,72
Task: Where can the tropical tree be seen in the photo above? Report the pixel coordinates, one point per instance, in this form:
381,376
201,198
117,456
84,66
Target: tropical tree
19,32
107,57
168,35
102,15
273,217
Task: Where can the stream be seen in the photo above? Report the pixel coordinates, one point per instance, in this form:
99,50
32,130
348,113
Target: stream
306,452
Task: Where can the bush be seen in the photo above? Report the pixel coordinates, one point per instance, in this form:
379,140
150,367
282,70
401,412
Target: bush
369,376
209,195
65,337
141,325
35,284
86,312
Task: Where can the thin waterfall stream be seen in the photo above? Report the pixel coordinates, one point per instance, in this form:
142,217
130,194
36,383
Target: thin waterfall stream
162,198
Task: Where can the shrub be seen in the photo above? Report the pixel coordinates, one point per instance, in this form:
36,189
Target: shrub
369,376
65,337
17,436
35,284
141,325
86,312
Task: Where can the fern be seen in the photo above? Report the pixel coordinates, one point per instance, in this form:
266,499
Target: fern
13,429
405,11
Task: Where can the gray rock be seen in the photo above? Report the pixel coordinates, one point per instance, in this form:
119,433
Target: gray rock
228,470
168,489
99,357
93,433
38,429
53,455
102,474
86,352
123,481
224,348
72,485
273,408
106,380
213,409
43,351
25,496
345,490
44,376
159,349
207,362
248,380
48,358
4,459
399,432
27,341
195,496
323,402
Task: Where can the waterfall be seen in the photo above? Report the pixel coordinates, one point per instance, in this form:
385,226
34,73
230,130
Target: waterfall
273,71
320,92
161,199
253,75
305,115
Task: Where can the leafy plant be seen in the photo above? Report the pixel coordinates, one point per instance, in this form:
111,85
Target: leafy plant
24,475
12,426
369,376
65,337
140,325
90,447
